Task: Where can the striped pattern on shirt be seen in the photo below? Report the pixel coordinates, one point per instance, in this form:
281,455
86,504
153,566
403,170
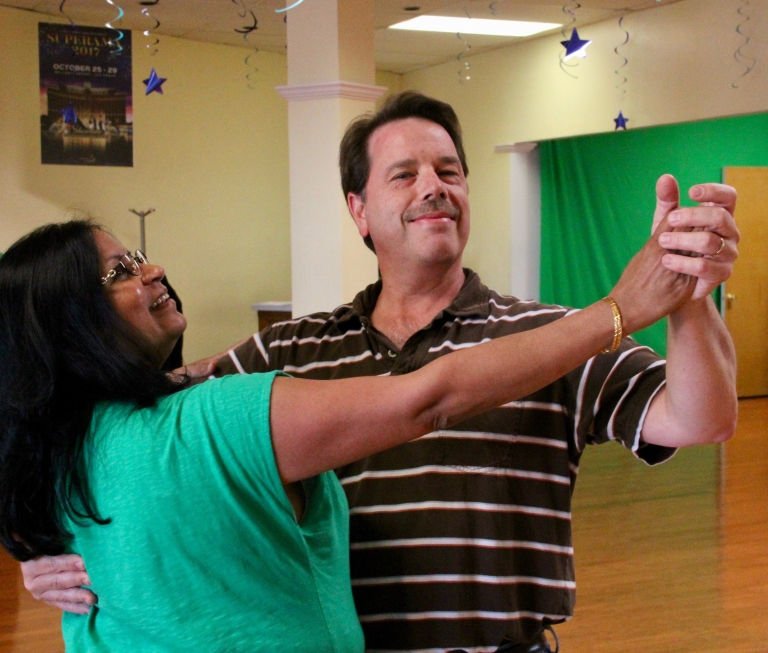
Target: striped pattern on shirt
464,536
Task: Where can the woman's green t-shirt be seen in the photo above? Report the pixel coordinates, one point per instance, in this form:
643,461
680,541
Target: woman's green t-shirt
203,551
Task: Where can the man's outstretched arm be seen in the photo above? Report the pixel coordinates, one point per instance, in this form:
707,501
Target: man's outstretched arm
698,404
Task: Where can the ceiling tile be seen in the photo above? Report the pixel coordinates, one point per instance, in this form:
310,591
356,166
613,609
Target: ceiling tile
215,21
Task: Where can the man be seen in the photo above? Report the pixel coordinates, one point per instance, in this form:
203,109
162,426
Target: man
462,539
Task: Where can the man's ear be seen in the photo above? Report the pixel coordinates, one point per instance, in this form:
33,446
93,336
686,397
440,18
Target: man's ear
356,206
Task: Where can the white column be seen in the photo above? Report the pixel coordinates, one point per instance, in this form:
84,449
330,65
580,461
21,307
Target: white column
330,82
525,218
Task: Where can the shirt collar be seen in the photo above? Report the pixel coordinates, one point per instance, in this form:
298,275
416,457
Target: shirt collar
472,300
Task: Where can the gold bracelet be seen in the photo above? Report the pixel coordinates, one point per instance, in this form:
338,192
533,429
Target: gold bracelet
618,331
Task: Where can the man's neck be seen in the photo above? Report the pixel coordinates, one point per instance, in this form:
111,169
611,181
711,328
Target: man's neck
409,301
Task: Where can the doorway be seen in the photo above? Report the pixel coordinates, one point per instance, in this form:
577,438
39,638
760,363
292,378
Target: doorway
746,292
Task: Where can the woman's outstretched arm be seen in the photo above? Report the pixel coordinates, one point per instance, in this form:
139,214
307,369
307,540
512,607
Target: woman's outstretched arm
320,425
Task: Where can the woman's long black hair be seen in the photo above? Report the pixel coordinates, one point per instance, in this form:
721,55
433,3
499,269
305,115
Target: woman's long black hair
62,349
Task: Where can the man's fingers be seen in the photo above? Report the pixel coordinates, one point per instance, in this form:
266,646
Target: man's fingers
720,194
709,272
53,573
51,565
63,581
57,580
667,199
199,369
68,580
74,608
695,267
711,218
704,243
78,596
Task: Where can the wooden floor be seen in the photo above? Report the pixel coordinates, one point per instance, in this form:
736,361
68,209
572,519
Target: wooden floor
674,558
668,559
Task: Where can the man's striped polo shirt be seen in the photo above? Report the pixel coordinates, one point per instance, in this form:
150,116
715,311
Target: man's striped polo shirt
464,535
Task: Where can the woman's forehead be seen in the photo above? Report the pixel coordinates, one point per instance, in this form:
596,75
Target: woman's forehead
109,246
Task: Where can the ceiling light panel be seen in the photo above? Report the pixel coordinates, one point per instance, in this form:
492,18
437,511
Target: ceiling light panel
489,27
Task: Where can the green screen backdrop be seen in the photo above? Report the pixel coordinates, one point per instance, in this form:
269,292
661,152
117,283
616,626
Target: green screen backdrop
598,197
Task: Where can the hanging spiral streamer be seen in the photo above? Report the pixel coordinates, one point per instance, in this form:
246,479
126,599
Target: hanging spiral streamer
65,14
569,9
154,41
621,85
295,4
464,66
250,76
743,59
246,31
243,11
115,43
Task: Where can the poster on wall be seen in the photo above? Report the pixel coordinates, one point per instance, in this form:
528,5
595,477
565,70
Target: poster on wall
86,109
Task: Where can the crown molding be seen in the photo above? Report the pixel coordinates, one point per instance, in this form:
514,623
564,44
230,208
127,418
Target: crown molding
331,90
522,148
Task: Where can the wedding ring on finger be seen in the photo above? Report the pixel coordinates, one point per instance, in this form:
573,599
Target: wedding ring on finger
722,246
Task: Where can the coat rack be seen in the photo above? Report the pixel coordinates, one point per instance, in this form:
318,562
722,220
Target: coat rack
142,215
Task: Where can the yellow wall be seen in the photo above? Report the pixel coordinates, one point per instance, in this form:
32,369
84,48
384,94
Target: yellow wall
210,155
680,69
392,81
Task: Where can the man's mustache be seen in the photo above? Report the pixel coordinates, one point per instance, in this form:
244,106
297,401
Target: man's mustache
432,206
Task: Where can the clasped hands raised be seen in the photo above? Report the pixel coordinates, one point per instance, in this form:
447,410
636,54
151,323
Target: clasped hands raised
691,251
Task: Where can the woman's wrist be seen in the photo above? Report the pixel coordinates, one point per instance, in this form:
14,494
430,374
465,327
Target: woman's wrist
618,327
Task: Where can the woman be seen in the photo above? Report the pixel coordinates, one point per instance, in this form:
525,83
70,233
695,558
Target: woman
206,516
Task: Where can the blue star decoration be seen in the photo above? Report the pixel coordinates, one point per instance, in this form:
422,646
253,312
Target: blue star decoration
575,47
70,115
621,122
154,83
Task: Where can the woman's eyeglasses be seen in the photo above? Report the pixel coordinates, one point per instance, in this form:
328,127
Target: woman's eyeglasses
128,264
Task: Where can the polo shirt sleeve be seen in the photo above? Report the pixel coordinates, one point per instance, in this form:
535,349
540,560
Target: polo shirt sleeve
248,358
612,395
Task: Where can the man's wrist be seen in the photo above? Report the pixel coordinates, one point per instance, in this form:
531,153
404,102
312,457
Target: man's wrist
693,309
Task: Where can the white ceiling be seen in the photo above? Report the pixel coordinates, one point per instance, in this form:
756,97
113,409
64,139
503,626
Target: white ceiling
396,51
